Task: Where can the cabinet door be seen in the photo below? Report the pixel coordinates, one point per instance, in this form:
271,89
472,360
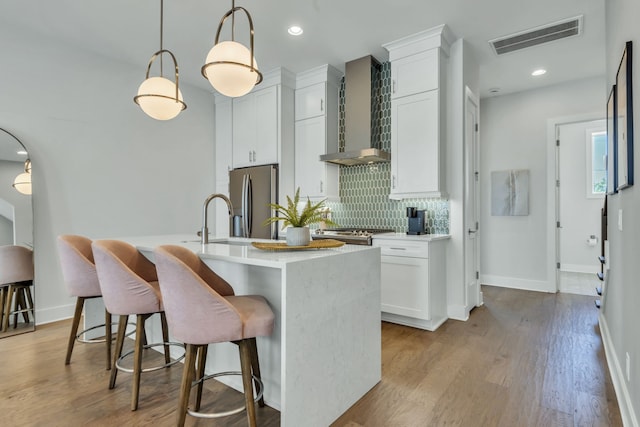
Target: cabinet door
266,128
415,144
405,286
309,145
310,101
244,130
414,74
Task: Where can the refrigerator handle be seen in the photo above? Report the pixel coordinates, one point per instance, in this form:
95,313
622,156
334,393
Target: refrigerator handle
249,228
243,210
274,200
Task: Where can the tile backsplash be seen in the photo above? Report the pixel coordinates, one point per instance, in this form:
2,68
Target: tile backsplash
364,189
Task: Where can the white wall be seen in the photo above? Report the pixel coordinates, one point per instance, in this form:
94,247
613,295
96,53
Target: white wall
513,135
101,167
620,315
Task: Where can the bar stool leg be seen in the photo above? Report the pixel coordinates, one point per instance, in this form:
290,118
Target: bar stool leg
255,366
165,337
7,310
137,360
107,336
202,361
3,293
247,381
122,330
74,328
185,386
30,302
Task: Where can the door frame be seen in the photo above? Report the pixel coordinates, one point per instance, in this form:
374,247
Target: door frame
472,100
552,198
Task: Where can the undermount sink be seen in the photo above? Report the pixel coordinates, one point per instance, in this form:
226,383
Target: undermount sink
221,242
230,242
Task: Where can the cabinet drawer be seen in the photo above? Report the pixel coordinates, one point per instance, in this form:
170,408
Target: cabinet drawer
402,248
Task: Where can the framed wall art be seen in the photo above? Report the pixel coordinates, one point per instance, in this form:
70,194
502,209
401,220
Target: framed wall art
612,152
624,120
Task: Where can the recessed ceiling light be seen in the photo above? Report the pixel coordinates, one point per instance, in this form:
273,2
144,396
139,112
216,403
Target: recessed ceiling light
539,72
22,153
494,90
294,30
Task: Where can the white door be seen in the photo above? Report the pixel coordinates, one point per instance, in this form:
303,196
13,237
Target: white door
581,186
471,252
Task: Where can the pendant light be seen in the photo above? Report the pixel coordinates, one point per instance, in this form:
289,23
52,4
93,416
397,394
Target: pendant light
22,183
160,98
230,67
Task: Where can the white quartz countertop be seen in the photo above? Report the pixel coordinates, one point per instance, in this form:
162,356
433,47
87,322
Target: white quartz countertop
411,237
239,250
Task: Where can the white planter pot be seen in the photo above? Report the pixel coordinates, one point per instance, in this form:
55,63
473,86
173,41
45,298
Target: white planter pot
298,236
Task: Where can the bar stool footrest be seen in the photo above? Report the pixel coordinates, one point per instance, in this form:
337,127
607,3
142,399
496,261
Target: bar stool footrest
256,381
152,368
101,340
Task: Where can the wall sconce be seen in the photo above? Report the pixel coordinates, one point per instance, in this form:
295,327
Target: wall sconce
230,67
159,97
22,183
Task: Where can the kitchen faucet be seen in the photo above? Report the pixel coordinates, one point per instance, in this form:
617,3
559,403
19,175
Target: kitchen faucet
205,230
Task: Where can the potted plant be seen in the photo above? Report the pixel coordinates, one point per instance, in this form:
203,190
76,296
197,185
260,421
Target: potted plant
298,234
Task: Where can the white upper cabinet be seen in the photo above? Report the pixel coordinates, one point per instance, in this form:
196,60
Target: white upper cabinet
255,128
316,132
310,101
414,74
415,145
418,89
224,142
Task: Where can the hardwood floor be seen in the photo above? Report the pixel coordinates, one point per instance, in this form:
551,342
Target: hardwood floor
523,359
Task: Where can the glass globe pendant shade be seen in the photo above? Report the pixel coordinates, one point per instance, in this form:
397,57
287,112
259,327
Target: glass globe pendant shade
22,183
157,98
228,69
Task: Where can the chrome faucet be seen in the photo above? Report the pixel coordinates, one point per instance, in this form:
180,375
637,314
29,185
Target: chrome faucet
205,230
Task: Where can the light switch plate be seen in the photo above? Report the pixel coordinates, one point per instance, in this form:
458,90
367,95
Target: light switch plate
620,219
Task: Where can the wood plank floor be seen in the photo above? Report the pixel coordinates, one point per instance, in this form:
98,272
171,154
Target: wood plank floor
523,359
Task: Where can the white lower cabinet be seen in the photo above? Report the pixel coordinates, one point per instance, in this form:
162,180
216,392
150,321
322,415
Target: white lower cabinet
413,282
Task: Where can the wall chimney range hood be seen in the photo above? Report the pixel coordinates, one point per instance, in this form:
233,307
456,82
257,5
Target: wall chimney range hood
358,117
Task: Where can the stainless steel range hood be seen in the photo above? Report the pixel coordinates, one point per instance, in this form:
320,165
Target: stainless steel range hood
358,117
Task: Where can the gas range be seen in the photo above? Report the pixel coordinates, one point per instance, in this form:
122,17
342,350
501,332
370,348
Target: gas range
353,236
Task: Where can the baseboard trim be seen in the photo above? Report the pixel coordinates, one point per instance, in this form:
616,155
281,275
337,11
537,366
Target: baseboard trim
54,314
515,283
617,377
579,268
458,312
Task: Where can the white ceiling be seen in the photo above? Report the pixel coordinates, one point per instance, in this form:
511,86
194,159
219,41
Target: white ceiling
335,31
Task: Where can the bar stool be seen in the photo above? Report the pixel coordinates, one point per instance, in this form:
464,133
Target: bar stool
81,278
16,279
129,286
202,309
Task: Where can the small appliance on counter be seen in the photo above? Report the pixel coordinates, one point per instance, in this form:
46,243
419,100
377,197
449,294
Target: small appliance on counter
416,221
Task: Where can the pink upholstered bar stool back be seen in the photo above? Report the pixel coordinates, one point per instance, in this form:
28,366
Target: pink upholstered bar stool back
201,309
81,279
16,275
129,285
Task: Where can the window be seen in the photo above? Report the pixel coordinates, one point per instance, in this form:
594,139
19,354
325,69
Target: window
596,163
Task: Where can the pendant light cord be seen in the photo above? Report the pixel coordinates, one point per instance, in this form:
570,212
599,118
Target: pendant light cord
233,20
161,31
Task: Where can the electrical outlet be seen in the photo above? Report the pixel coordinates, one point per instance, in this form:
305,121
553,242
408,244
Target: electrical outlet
628,367
620,219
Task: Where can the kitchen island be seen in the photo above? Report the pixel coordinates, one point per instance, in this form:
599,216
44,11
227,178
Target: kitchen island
325,351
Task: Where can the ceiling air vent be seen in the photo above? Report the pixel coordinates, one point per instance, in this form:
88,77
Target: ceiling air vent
539,35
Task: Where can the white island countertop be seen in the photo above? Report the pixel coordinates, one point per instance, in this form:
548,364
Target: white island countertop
325,350
239,250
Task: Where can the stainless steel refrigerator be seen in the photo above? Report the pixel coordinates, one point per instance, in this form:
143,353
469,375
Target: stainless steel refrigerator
251,190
